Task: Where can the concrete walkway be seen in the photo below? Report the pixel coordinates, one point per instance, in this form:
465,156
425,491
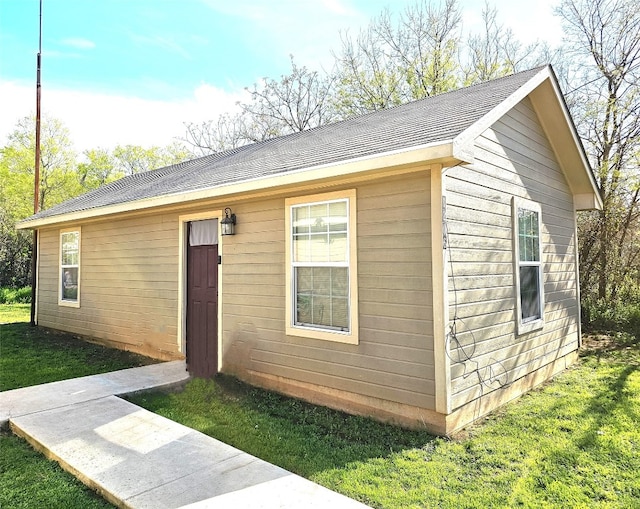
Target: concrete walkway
137,459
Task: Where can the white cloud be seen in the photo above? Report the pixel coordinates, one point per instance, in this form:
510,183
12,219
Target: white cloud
103,120
78,43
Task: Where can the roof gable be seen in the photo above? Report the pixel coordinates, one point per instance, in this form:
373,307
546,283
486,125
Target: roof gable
439,126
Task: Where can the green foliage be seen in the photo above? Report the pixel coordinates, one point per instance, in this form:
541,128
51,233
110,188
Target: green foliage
61,177
15,295
604,316
102,166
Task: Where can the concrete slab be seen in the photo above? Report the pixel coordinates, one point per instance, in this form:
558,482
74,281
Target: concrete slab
285,492
77,390
138,459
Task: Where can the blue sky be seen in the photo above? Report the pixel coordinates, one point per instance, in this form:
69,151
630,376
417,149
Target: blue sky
132,71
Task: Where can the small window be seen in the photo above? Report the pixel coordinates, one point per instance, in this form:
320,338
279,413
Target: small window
528,265
70,268
321,284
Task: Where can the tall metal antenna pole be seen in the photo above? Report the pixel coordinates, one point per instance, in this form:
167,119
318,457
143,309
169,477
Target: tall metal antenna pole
36,185
36,194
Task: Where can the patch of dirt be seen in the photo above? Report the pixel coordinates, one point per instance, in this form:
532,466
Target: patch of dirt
602,342
599,342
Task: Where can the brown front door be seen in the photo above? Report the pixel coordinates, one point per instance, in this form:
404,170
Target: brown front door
202,310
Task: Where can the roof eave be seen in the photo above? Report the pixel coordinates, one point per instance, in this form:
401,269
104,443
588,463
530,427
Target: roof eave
553,113
551,108
438,152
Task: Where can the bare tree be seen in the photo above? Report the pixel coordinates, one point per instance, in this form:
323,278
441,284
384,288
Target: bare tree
425,44
390,64
225,132
296,102
497,52
366,78
604,54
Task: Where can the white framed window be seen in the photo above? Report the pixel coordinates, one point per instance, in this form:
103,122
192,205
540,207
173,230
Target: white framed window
527,234
69,283
322,301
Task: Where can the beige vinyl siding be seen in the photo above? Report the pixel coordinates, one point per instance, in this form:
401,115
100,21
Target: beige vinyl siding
394,357
513,158
129,280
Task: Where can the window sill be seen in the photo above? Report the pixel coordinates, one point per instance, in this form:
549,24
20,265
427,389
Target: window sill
68,304
337,337
533,325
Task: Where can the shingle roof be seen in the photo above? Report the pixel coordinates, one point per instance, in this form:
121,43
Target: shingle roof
434,119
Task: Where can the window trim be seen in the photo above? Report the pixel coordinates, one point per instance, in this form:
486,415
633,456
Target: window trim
350,337
536,323
61,301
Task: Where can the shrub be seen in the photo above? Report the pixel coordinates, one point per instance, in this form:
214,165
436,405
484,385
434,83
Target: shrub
600,315
15,295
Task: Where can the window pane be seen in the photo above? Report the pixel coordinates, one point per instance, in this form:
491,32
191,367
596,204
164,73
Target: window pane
522,247
322,281
535,248
339,282
70,240
338,216
321,296
304,279
70,257
301,248
338,248
70,283
528,236
70,248
319,248
318,217
300,220
530,293
321,310
303,309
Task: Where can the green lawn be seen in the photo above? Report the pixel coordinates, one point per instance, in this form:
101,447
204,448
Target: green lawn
13,313
573,443
31,356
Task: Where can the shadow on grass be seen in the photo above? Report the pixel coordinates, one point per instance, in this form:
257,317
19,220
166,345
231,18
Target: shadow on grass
298,436
590,447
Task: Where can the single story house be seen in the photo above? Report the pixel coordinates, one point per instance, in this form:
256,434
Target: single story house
417,265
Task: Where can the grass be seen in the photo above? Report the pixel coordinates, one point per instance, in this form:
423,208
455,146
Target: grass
32,356
28,480
14,313
575,442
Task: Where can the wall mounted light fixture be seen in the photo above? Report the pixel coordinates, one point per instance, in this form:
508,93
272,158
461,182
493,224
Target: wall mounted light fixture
228,223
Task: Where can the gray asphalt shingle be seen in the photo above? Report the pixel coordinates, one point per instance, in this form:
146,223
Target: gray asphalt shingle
435,119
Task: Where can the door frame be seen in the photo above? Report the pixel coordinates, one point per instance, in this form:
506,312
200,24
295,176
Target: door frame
183,244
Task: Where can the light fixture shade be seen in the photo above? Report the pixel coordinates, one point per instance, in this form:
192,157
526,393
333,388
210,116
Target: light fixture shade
228,223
